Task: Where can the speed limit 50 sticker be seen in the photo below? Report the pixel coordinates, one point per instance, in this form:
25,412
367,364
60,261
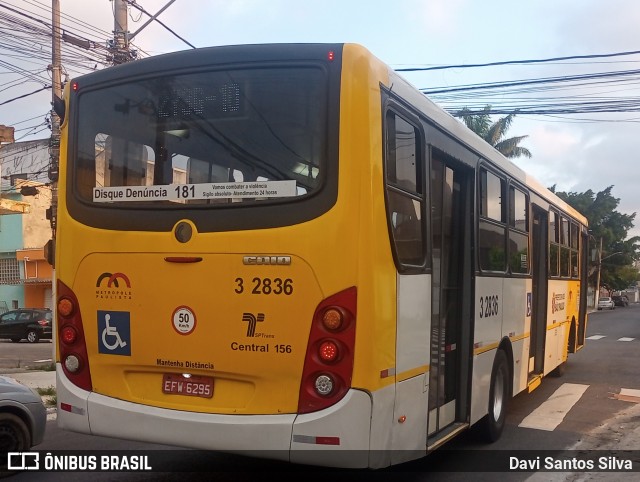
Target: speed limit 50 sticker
184,320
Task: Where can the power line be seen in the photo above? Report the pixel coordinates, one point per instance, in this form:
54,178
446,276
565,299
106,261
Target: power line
25,95
134,4
569,94
517,62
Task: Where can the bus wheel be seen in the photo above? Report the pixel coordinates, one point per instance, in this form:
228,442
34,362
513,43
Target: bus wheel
559,370
499,393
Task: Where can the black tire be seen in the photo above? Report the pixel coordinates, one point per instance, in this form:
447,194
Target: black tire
499,395
33,336
14,434
16,340
559,370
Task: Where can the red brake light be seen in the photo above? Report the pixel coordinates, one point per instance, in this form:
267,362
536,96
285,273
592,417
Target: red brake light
331,55
68,334
328,351
74,86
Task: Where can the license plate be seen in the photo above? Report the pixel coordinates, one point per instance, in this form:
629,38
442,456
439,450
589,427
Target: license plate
194,386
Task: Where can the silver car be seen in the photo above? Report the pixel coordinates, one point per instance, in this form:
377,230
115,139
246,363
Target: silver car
23,417
606,303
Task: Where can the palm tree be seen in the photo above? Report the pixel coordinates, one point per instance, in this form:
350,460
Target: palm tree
494,133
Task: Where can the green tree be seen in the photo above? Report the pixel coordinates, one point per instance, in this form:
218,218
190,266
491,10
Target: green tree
618,252
494,132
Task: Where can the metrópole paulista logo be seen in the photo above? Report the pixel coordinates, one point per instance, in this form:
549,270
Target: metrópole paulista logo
113,286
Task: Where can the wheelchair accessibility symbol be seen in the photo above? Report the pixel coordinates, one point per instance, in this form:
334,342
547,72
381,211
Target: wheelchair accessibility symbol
114,332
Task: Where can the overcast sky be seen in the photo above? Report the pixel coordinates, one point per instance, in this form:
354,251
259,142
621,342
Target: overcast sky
574,152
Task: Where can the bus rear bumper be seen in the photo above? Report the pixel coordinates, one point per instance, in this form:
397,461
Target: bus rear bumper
317,438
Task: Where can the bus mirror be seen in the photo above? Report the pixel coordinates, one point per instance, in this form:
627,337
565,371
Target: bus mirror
50,252
59,107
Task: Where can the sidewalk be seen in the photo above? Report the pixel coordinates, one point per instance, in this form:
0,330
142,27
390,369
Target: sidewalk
621,434
31,378
34,379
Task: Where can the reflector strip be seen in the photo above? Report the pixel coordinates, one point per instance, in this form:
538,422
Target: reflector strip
71,409
389,372
311,439
328,440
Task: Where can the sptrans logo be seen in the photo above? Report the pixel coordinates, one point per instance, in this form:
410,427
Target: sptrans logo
113,286
252,319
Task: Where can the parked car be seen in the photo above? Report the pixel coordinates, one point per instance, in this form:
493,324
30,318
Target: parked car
23,417
30,323
606,303
620,300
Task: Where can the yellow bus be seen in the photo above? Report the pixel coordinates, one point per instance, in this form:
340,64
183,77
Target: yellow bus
289,251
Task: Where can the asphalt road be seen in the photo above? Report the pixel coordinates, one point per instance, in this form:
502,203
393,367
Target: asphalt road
25,354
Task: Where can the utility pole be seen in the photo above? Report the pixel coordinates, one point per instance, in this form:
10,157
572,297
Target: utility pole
120,47
597,297
54,143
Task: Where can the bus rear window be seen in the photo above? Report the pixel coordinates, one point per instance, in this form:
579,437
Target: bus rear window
207,138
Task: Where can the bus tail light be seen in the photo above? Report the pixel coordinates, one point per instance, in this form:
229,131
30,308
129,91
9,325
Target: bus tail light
328,351
68,335
328,365
71,341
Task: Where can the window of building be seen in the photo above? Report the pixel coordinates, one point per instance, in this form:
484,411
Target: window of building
9,271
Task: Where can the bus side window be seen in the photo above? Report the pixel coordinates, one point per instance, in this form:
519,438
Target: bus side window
565,251
406,228
492,227
554,244
404,190
518,231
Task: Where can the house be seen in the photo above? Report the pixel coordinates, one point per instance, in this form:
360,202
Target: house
25,195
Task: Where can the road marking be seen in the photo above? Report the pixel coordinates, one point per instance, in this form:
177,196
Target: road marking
42,361
625,339
596,337
552,412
